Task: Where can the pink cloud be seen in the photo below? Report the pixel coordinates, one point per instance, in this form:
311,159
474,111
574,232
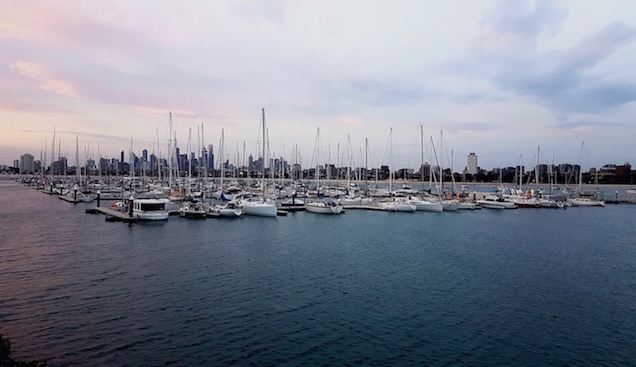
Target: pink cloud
38,72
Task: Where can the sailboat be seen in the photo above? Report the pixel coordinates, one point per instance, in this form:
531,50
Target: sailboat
584,199
447,204
262,207
227,209
321,207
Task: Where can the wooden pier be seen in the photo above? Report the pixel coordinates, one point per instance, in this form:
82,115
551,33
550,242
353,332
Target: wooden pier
113,215
68,199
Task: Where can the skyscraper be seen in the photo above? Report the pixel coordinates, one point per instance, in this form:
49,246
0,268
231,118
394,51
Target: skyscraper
210,157
26,163
471,166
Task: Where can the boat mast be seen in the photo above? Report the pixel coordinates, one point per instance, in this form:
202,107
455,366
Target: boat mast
263,168
170,152
77,167
441,169
581,168
366,166
536,168
439,192
390,160
52,152
221,154
350,153
551,174
317,163
422,153
188,158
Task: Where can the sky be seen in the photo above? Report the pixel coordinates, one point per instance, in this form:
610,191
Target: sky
504,79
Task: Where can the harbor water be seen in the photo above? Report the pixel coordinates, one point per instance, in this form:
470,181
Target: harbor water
516,287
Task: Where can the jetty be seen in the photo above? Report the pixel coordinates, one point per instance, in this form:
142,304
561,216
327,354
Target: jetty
68,199
621,199
113,215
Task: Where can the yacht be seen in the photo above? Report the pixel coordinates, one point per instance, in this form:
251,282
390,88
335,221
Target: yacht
257,208
425,205
150,209
192,210
321,207
494,202
228,210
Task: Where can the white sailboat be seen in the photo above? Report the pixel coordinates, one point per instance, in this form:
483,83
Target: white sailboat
321,207
584,200
262,207
495,202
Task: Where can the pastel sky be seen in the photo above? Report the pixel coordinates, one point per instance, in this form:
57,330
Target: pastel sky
499,78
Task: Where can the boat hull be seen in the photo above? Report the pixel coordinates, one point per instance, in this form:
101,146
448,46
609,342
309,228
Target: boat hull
323,209
496,204
587,202
154,215
192,214
427,206
230,213
260,210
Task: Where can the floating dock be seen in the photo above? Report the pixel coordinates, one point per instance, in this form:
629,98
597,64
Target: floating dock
113,215
620,199
68,199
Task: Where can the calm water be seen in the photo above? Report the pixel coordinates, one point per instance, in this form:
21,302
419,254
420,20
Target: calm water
522,287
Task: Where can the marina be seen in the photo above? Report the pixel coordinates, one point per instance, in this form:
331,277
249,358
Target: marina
433,184
373,287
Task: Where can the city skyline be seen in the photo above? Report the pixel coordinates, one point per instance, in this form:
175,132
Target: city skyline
498,78
201,161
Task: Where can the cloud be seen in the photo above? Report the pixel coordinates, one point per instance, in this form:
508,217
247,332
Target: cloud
376,91
350,120
252,10
81,134
38,72
12,105
560,79
525,19
458,127
576,125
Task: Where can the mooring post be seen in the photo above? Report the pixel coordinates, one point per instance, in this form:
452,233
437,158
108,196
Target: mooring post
130,202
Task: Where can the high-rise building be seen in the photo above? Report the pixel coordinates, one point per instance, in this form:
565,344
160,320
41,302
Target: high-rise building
26,163
210,157
471,166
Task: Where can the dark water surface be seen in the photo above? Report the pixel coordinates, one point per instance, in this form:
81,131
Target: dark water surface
521,287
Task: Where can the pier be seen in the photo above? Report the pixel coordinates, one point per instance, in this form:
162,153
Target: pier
621,199
113,215
68,199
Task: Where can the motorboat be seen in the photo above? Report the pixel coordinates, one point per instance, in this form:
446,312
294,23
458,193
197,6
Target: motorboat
494,202
150,209
192,210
